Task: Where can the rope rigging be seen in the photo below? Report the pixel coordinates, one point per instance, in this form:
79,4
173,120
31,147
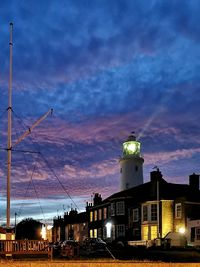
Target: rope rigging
38,152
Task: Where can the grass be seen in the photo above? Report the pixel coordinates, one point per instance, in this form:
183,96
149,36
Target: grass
104,263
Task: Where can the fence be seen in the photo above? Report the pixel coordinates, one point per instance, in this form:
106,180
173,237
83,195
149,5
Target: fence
25,247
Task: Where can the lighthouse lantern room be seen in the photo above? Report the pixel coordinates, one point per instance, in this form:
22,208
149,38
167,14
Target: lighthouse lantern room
131,164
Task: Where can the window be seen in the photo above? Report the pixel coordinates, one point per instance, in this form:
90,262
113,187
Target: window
135,215
145,233
154,232
192,237
113,232
120,208
104,232
95,215
100,214
91,216
112,209
91,233
198,233
105,213
178,211
136,168
99,232
120,230
153,212
145,213
95,233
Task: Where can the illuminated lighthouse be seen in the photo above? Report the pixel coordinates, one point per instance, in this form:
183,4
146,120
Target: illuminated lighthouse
131,164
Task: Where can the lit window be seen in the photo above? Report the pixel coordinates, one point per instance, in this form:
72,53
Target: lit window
145,213
120,208
91,233
178,211
95,233
112,209
198,233
120,230
145,233
95,215
135,215
154,232
153,212
91,216
105,213
100,214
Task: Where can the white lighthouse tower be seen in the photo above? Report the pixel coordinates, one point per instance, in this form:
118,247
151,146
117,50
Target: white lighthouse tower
131,164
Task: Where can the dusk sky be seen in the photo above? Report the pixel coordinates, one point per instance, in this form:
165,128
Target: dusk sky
107,68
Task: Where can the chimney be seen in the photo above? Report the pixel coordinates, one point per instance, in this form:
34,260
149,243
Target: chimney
97,199
194,181
156,176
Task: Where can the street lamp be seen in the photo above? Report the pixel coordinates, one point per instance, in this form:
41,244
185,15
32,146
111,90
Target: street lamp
108,229
181,230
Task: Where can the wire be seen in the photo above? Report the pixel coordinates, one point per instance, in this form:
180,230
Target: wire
37,194
61,184
35,144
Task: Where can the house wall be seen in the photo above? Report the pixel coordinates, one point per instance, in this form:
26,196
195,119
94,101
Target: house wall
167,214
193,230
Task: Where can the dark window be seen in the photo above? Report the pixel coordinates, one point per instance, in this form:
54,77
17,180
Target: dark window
192,234
154,212
136,168
145,213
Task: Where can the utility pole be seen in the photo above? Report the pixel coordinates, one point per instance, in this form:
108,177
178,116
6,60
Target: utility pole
15,222
9,138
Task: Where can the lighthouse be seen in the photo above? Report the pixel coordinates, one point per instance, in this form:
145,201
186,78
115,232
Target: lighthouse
131,164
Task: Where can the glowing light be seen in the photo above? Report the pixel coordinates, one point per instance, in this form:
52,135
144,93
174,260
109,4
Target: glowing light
43,232
49,227
181,230
108,229
131,147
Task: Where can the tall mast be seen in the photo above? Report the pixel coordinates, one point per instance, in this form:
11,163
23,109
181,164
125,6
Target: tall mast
9,141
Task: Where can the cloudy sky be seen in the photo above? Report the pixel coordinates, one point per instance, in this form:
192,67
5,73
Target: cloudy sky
107,68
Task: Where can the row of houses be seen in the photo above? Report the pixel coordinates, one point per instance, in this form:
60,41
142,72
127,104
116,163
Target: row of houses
139,211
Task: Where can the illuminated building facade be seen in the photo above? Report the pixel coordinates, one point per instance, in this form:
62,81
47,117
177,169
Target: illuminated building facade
147,211
140,211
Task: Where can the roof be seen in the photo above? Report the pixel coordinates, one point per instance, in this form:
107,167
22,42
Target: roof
148,191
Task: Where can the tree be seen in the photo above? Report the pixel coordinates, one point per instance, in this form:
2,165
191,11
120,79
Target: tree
29,229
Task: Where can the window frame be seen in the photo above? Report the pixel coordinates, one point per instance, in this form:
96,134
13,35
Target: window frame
112,209
119,231
197,233
135,215
178,210
155,212
120,208
145,218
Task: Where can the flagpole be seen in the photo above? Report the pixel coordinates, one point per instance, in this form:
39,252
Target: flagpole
9,140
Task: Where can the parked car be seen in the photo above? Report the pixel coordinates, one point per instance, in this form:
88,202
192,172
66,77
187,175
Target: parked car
95,243
70,242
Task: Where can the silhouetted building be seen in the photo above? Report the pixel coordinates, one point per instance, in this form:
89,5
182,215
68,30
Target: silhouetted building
74,226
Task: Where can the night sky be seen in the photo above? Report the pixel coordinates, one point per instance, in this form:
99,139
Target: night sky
107,68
